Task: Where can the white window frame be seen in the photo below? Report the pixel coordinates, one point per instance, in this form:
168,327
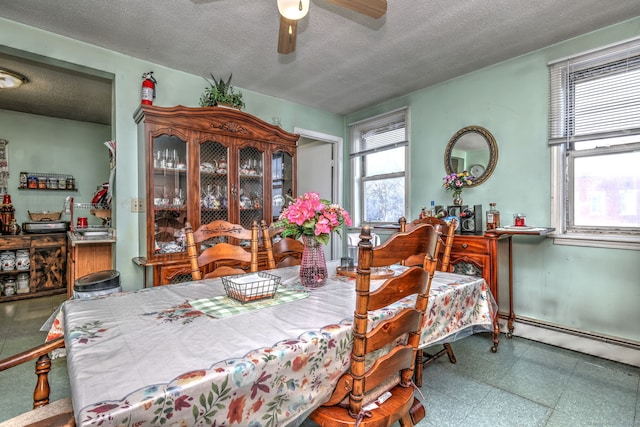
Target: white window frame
560,140
357,181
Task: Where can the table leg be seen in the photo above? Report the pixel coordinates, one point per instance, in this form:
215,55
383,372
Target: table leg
496,333
512,315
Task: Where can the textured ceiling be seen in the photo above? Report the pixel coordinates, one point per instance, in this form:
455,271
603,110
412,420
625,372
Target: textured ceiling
343,62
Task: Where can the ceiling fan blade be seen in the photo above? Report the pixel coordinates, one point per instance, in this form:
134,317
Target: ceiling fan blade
287,35
373,8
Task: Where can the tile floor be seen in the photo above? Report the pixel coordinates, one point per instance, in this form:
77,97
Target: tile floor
524,384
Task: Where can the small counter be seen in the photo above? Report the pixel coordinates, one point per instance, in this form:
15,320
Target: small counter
90,250
92,235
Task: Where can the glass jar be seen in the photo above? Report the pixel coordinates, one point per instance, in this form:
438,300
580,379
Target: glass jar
519,220
22,259
70,183
24,180
8,259
9,286
22,283
32,181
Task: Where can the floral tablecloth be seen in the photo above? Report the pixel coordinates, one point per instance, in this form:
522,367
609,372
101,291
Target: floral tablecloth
149,358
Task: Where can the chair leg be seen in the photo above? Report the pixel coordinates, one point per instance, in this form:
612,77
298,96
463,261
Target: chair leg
417,373
452,357
417,411
423,360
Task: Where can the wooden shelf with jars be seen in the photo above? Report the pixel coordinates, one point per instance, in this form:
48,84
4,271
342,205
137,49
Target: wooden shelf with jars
46,181
202,165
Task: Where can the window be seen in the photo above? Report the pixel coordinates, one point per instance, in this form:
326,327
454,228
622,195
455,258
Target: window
595,140
378,163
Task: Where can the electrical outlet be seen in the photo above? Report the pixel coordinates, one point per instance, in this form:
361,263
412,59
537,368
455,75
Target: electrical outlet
137,205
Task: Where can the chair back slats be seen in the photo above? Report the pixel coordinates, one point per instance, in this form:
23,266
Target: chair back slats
370,374
223,258
446,232
221,228
285,252
395,361
395,250
384,333
410,282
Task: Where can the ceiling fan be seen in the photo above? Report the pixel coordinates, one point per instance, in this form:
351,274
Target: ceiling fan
293,10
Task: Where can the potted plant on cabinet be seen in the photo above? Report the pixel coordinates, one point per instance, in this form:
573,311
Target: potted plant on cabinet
221,93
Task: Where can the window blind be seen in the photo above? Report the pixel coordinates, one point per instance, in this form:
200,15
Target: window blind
595,95
382,133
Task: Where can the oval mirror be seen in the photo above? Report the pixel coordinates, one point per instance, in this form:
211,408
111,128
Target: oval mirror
472,149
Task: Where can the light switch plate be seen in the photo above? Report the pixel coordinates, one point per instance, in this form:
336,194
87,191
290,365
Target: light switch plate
137,205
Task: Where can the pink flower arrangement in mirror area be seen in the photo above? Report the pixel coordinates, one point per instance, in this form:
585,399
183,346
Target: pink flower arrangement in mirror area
455,182
309,215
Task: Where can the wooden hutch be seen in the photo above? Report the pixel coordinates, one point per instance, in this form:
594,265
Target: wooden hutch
47,263
201,165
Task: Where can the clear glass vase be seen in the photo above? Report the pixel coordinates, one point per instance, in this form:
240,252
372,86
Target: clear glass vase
457,199
313,266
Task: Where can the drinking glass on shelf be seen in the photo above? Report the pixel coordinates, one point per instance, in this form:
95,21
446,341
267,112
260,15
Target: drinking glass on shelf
170,162
159,161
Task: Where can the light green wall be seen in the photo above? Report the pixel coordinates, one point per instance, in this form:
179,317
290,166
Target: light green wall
50,145
583,288
174,87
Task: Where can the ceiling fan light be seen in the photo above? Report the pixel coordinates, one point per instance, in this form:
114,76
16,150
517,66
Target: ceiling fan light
293,9
10,79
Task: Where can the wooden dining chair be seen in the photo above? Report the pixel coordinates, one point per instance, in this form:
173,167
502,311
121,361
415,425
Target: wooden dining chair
285,252
446,232
55,414
224,257
374,371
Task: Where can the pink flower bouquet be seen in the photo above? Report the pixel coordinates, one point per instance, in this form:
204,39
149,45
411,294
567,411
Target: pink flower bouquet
309,215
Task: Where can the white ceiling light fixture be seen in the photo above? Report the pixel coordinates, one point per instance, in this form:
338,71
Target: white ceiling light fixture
293,9
10,79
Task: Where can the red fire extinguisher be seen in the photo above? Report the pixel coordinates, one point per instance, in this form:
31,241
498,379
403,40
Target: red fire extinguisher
148,88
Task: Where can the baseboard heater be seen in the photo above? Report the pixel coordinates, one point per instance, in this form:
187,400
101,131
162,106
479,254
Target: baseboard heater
607,347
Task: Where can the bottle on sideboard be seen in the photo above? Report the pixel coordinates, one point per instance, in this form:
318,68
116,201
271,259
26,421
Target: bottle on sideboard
493,217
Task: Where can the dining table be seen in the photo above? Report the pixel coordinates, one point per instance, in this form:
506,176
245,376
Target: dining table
187,354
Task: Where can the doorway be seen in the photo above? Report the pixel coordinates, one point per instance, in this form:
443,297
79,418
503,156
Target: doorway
319,158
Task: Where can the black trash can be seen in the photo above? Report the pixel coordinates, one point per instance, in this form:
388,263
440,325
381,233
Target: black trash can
97,284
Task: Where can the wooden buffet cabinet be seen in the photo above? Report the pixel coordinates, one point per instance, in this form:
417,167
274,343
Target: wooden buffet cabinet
488,256
47,263
201,165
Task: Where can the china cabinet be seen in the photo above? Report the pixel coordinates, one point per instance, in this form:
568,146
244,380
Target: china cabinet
201,165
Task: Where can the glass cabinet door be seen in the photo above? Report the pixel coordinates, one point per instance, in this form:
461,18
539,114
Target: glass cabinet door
250,186
214,182
169,194
282,182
